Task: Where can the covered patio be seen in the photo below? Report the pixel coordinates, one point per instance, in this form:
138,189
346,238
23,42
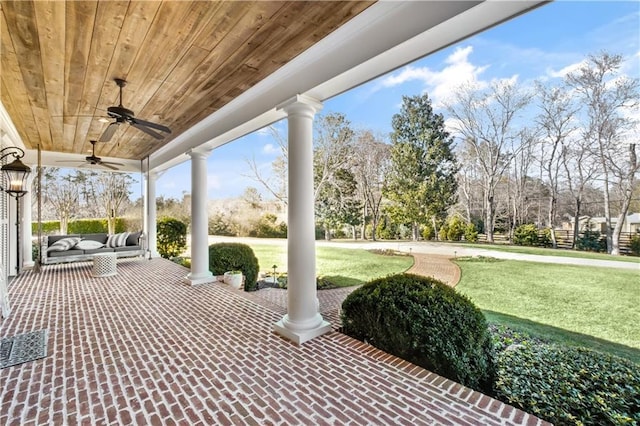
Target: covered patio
142,347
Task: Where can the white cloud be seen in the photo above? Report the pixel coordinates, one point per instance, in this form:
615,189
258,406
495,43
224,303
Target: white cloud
441,84
270,149
561,73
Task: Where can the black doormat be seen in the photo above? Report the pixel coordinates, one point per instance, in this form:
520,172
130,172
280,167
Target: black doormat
23,348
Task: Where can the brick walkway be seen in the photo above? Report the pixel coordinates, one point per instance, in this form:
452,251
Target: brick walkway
143,348
437,266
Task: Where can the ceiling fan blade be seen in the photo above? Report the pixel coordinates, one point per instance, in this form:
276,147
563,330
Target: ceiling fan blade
146,130
152,125
112,163
107,165
109,131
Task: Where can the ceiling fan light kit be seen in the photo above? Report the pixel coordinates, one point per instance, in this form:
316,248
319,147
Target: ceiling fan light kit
96,161
125,115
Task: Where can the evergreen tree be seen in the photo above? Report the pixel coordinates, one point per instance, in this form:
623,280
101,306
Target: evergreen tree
421,182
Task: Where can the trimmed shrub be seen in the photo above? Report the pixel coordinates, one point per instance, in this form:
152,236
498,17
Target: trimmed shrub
171,237
426,322
455,228
225,257
591,241
567,385
49,227
470,233
427,232
526,235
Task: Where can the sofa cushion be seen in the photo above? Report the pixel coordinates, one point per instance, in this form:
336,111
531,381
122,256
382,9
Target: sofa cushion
72,252
132,239
117,240
89,245
53,238
63,244
100,237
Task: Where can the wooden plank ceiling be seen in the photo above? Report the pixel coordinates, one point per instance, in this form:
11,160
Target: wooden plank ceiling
182,61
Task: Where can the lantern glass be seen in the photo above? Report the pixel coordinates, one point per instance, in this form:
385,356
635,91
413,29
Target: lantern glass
16,174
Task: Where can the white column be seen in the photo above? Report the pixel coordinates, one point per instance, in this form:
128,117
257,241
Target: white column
303,320
25,230
150,220
200,273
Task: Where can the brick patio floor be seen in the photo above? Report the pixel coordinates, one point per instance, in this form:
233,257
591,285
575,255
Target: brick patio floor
144,348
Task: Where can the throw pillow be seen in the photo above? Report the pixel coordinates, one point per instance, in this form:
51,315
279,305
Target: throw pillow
89,245
117,240
64,244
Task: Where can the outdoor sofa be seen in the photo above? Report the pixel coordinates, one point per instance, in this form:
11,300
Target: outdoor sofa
82,247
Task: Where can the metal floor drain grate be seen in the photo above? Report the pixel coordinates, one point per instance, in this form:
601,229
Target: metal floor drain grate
23,348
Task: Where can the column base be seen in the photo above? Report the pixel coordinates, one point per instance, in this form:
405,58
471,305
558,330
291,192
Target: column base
28,265
198,279
301,336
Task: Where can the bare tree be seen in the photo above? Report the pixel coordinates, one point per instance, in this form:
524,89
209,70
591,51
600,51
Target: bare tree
276,182
111,191
485,119
556,122
62,195
371,160
609,100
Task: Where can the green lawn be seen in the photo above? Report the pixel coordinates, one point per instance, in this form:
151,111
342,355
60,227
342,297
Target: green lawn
552,252
343,267
589,306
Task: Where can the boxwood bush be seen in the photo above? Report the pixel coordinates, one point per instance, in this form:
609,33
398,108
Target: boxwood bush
225,257
568,385
426,322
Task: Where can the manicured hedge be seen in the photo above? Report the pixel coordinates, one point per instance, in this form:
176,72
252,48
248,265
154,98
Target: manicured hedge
426,322
570,386
225,257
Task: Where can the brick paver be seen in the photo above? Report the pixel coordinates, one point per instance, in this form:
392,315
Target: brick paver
437,266
144,348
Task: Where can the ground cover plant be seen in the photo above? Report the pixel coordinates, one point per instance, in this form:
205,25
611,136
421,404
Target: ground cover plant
575,305
569,385
342,267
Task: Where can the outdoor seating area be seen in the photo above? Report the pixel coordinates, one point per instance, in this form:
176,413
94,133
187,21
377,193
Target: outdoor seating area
142,347
83,247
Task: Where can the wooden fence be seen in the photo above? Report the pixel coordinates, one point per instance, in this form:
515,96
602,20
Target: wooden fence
564,239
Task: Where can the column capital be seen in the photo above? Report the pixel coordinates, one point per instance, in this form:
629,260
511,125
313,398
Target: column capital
300,103
199,152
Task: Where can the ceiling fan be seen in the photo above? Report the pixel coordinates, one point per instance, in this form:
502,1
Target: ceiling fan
96,161
124,115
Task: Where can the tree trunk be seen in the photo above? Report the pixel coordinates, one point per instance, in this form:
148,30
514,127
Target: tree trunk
488,225
414,231
552,215
435,227
64,224
576,224
607,214
353,232
327,233
374,226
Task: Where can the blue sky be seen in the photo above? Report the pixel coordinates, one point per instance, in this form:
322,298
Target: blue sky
542,44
